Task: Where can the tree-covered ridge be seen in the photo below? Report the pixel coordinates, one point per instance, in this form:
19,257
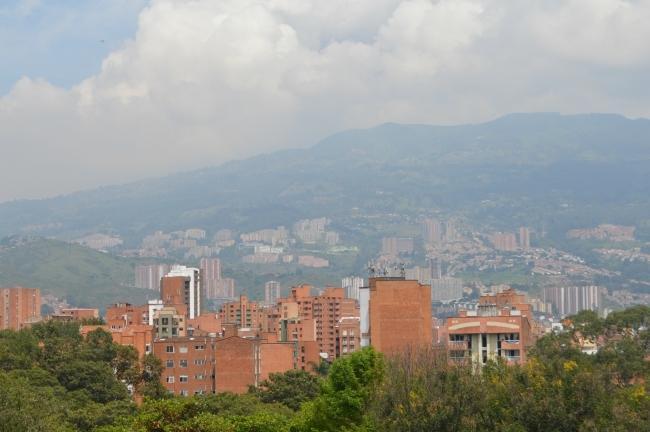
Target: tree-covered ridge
81,276
52,379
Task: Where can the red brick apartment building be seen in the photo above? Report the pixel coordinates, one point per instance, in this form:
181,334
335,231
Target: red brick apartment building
139,336
242,344
326,310
76,314
501,327
122,315
399,313
201,365
174,292
19,307
301,317
243,313
189,366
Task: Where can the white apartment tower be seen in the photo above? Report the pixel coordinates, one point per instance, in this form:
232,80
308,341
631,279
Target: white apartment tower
271,292
352,284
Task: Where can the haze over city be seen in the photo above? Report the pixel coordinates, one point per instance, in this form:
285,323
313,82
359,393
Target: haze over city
99,93
322,216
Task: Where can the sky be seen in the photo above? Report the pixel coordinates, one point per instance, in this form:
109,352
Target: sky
99,92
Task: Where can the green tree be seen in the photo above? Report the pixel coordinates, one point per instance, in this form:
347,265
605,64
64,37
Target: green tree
290,388
150,385
94,378
588,323
29,409
345,394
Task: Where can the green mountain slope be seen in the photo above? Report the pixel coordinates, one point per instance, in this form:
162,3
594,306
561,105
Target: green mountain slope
82,276
543,169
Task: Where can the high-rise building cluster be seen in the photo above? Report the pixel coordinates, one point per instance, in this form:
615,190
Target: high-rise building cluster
245,341
435,232
395,246
573,299
215,286
352,285
506,242
148,276
509,242
271,292
310,231
446,289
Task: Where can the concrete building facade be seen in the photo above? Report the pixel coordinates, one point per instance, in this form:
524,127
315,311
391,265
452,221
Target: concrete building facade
501,328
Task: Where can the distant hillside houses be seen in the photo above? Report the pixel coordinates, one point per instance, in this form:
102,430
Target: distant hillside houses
618,233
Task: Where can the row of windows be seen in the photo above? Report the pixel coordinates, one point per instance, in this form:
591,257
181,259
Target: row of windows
186,393
184,378
183,349
183,363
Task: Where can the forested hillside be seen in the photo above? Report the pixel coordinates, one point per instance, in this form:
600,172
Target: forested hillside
531,169
76,274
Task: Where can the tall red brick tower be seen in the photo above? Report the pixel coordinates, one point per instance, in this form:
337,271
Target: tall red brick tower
19,307
399,314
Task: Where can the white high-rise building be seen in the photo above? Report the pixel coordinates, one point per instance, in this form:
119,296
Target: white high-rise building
352,284
571,300
211,277
194,294
446,289
364,315
148,276
153,306
271,292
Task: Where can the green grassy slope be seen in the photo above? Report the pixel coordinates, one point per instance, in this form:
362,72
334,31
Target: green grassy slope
82,276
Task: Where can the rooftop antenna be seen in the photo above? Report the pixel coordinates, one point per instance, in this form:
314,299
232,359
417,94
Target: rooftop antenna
371,269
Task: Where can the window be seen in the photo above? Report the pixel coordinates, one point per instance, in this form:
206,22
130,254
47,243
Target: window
199,347
199,377
183,363
183,378
147,348
199,361
198,392
182,349
169,348
170,363
183,393
165,321
170,380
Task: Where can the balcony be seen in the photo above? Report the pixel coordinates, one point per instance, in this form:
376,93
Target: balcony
458,345
511,360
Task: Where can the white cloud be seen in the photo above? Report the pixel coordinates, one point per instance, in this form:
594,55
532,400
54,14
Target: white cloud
206,81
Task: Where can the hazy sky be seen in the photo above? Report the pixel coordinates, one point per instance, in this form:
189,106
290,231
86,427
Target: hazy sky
96,92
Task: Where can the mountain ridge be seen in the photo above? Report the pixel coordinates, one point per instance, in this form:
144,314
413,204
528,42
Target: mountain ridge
443,166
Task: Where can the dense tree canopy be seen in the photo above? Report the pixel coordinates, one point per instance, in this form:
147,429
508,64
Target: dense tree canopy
54,379
291,388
